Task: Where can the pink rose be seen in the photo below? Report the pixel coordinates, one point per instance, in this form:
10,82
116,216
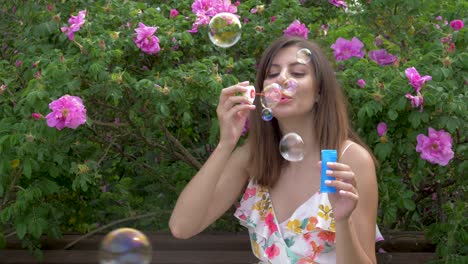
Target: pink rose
296,28
416,80
436,147
76,22
67,111
145,39
37,116
381,128
361,83
173,13
457,24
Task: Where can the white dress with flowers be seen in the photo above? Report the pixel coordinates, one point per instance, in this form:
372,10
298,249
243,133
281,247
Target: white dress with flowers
307,237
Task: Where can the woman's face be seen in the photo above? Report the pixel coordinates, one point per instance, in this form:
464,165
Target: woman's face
285,66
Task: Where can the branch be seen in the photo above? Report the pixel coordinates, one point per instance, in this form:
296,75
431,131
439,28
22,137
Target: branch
184,151
108,124
69,245
105,154
12,185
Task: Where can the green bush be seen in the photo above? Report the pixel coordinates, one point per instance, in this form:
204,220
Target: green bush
151,118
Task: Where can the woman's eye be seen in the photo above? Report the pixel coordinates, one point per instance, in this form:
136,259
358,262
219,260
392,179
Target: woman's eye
272,74
298,74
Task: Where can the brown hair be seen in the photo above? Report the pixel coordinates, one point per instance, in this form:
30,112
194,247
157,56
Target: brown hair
329,114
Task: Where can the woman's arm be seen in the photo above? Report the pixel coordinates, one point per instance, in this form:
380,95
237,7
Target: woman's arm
211,192
217,184
355,229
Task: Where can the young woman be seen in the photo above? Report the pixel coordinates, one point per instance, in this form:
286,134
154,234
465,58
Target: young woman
288,219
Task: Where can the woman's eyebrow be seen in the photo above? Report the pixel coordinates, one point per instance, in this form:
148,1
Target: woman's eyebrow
290,64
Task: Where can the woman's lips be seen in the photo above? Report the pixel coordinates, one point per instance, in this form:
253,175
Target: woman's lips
285,100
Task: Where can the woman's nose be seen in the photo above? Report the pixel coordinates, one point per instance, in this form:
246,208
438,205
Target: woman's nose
282,77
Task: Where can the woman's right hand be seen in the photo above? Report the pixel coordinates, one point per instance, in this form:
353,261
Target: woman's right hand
232,112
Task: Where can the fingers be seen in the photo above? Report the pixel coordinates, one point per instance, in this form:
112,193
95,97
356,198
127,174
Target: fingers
234,100
231,97
232,90
340,171
241,109
345,182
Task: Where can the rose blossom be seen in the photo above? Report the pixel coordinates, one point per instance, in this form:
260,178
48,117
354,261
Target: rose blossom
436,147
345,49
296,28
75,24
416,101
173,13
415,79
381,128
145,39
37,116
205,9
382,57
457,24
361,83
67,111
338,3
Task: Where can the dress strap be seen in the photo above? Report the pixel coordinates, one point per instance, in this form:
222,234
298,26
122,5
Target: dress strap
346,148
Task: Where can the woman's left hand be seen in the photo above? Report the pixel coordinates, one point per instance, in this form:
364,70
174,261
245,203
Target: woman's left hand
345,200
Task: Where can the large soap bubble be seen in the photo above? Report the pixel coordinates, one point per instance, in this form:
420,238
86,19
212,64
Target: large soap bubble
292,147
303,56
271,95
290,87
224,30
125,246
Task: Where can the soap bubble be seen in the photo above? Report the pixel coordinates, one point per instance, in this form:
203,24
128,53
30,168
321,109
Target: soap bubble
271,95
267,115
290,87
303,56
224,30
125,246
292,147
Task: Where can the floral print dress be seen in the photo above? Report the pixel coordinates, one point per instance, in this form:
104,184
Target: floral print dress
307,237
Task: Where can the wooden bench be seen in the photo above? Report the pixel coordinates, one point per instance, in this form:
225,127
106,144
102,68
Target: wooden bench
206,248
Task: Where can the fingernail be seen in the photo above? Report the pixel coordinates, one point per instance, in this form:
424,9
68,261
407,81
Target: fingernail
327,181
329,172
330,163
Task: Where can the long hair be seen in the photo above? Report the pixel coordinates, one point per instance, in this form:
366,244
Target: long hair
332,126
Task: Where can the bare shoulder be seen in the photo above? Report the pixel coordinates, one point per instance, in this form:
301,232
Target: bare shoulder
356,155
361,162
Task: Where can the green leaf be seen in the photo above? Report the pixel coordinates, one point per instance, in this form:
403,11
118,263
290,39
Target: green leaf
383,150
415,119
21,229
186,119
36,225
164,110
392,114
390,214
81,182
409,204
27,168
452,124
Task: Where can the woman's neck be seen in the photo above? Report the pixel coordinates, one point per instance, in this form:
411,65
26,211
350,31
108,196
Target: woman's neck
304,127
